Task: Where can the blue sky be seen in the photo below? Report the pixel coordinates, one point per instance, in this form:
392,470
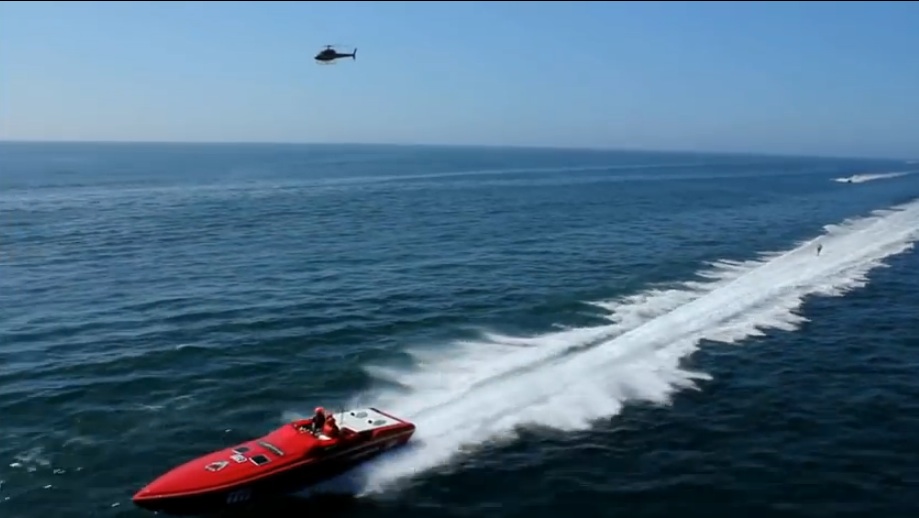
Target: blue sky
812,78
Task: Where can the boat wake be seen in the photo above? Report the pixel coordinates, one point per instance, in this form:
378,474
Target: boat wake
862,178
578,376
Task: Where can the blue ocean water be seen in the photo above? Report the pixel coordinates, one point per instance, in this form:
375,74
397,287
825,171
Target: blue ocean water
623,333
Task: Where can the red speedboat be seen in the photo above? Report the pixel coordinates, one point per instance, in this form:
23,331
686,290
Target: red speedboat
286,460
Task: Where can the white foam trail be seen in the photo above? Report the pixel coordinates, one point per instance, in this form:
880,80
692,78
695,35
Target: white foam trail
484,391
473,363
862,178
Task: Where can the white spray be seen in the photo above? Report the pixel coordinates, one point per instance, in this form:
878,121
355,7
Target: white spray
480,392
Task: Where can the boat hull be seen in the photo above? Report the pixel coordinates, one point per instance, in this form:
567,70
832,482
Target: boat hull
290,480
297,479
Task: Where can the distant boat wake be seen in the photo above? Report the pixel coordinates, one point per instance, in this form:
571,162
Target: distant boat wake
862,178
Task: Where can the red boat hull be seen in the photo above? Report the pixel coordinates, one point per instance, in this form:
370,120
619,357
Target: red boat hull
287,460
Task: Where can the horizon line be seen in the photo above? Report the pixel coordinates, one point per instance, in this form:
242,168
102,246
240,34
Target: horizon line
521,147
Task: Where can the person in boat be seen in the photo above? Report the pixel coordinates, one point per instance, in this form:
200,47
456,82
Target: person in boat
330,428
319,419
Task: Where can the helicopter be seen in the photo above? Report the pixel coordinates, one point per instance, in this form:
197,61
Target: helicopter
328,55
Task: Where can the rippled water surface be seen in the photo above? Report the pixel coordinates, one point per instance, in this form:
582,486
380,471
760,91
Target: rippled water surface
624,334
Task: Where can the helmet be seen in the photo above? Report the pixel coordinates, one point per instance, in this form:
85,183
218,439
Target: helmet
320,410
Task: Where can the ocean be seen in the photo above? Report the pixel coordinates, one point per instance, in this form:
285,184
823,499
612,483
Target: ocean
609,333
